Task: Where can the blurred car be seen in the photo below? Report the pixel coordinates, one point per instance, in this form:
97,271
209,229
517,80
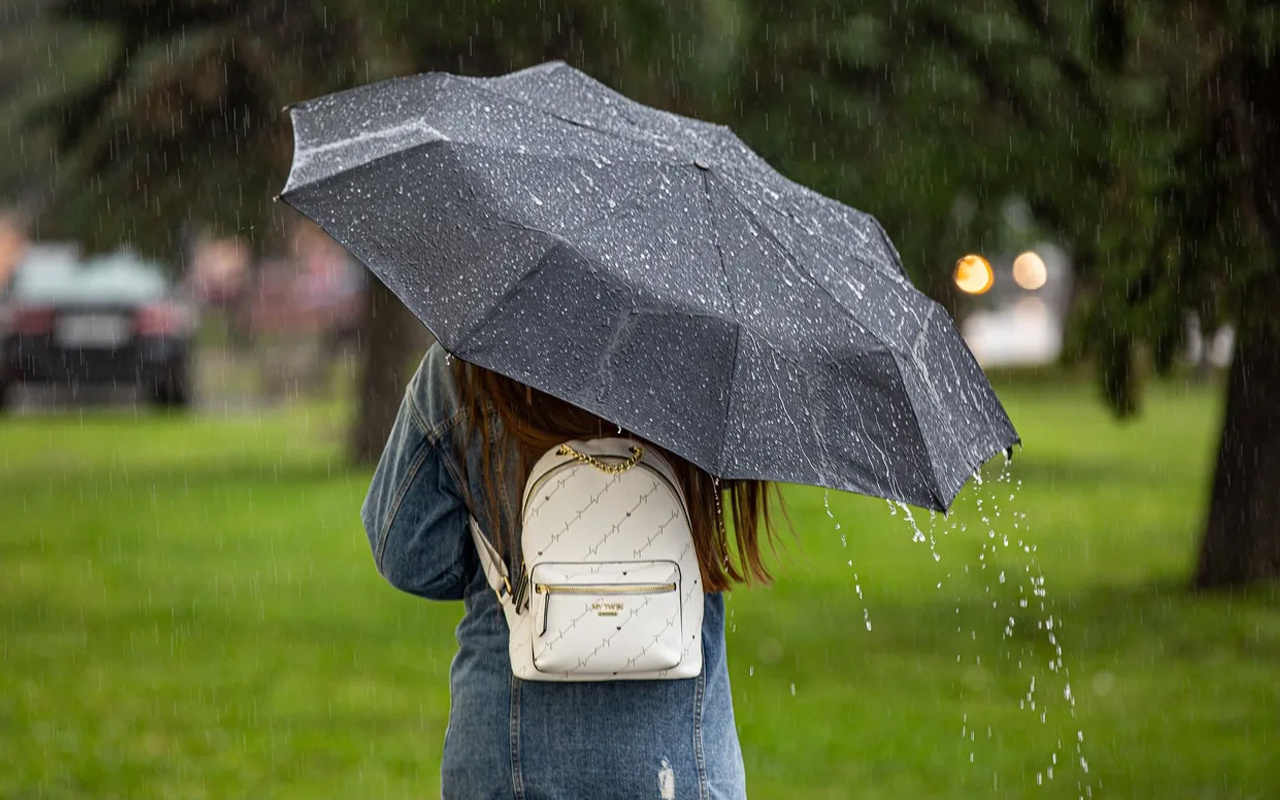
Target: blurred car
114,320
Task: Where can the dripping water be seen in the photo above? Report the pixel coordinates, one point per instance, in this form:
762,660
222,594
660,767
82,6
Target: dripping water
1005,533
844,542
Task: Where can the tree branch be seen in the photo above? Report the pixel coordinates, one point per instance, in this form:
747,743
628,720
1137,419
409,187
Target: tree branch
1077,76
983,67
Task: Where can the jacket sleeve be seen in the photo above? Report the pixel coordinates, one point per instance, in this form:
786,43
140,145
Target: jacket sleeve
414,514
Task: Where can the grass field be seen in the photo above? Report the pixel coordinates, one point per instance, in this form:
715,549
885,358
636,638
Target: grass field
188,609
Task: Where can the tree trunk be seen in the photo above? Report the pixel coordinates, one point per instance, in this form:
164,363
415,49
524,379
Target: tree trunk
1242,539
388,334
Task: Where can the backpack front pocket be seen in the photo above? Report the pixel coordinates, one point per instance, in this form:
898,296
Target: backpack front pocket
605,618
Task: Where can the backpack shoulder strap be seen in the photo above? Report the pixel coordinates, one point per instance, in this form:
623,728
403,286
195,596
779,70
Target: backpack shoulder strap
495,569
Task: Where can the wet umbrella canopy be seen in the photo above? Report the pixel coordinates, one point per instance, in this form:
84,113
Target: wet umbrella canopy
652,269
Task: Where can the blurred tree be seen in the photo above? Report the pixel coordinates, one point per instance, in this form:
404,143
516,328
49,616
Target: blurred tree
38,61
1143,134
182,123
867,104
1217,251
1160,120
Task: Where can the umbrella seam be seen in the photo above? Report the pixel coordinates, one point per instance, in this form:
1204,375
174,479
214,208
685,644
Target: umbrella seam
931,479
848,313
609,132
471,82
345,171
973,459
728,403
606,132
767,169
934,309
610,214
506,295
558,240
449,139
805,380
805,273
913,350
889,246
898,275
474,84
733,303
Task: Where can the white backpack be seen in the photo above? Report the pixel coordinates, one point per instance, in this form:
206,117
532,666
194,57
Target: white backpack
609,586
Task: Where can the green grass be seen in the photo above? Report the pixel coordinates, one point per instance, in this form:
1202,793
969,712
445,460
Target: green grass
188,609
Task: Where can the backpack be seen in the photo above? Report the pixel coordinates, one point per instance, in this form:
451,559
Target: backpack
609,586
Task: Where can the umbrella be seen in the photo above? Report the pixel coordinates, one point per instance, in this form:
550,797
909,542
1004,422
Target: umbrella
652,269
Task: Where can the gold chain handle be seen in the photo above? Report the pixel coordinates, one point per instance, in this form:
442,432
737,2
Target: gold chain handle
637,453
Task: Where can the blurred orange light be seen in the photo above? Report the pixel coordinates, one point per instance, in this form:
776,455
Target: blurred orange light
974,275
1029,271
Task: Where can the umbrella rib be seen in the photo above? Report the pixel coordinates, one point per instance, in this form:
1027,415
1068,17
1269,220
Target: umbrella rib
346,171
814,429
557,243
728,401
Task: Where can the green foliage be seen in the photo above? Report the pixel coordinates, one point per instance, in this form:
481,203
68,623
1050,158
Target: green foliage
184,128
191,611
1137,132
40,61
1140,134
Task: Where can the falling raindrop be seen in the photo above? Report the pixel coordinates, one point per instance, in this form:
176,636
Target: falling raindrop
992,498
857,585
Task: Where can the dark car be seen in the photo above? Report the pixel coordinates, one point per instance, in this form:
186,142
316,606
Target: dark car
113,320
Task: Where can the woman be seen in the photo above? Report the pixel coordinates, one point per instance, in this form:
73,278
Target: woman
462,445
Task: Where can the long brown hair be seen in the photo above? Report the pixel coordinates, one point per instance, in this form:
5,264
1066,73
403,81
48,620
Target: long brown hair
533,422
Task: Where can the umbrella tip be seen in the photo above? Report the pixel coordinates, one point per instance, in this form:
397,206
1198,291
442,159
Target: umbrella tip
275,199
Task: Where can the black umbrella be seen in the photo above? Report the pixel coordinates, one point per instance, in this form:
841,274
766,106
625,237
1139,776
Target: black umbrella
654,270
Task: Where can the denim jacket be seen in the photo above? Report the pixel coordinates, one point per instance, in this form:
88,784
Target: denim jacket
508,738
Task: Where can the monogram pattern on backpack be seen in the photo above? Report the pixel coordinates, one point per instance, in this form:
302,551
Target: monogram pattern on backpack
610,587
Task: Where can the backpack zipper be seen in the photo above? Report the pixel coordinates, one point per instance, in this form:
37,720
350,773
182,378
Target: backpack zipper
602,589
